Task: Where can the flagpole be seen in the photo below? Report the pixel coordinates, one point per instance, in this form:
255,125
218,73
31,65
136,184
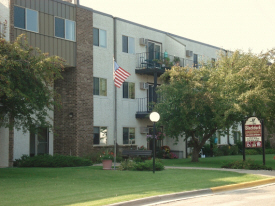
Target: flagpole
115,125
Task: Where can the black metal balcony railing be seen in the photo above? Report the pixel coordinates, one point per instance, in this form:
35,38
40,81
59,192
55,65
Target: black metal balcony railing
148,60
144,106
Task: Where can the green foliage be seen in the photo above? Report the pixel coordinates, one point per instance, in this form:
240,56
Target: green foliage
207,150
270,151
198,102
248,164
138,159
51,161
225,150
95,156
165,153
26,84
251,152
127,165
147,165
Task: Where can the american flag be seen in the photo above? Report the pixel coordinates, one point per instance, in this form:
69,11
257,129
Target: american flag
119,75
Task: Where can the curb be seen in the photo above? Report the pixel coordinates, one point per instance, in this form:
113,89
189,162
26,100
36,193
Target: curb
190,194
162,198
242,185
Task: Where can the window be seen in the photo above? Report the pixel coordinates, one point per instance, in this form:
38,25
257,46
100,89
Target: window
100,135
128,90
128,135
64,28
39,142
195,60
100,37
128,44
26,19
100,86
236,135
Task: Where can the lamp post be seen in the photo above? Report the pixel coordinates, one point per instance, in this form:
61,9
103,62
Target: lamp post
154,117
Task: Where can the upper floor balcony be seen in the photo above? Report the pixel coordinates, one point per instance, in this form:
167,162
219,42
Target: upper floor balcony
151,62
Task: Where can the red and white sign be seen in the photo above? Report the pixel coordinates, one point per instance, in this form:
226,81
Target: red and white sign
253,133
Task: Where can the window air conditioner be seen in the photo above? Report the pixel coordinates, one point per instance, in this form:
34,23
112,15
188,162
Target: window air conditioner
189,53
144,130
143,41
144,85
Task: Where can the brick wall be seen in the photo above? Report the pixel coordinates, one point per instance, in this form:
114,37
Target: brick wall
64,125
73,135
84,80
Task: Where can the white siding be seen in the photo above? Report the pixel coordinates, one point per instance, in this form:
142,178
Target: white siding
5,15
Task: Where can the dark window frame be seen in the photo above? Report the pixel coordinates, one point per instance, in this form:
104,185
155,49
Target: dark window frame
96,135
126,44
64,28
21,20
96,36
126,91
126,135
97,90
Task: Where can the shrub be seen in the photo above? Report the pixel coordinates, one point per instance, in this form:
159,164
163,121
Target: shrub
207,150
141,166
148,165
47,160
251,152
137,159
165,153
225,150
127,165
248,164
270,151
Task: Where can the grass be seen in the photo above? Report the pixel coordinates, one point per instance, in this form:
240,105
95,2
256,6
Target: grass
94,186
217,162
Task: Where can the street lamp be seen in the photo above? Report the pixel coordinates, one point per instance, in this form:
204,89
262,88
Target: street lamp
154,117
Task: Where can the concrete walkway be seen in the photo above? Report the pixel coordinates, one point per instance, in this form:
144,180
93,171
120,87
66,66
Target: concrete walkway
208,191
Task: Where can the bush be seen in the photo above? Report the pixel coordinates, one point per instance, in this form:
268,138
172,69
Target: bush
249,164
127,165
225,150
252,152
148,165
269,151
141,166
207,150
165,153
47,160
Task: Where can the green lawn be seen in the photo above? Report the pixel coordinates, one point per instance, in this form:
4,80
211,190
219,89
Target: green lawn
217,162
94,186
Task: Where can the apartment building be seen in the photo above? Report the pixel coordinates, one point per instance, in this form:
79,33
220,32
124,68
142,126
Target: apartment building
94,112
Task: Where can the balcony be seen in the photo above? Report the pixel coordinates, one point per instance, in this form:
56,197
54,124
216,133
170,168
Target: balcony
151,62
145,107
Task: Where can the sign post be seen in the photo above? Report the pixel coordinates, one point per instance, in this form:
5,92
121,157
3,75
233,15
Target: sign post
253,135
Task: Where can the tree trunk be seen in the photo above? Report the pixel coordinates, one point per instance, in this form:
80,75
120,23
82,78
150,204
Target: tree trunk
11,140
195,154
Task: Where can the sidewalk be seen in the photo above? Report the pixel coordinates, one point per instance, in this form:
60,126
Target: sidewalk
208,191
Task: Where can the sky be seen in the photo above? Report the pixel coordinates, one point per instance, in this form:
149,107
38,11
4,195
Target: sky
229,24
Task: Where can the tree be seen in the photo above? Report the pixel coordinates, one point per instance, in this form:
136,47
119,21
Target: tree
197,103
26,84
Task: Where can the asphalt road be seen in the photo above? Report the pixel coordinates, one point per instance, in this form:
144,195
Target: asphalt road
260,195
